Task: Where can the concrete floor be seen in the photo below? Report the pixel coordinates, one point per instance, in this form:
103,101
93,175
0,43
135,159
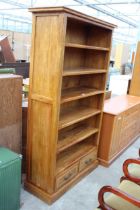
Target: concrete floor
83,196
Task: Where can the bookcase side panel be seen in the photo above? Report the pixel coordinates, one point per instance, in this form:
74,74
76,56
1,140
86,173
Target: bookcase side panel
45,86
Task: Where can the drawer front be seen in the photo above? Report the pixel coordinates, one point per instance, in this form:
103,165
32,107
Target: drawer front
132,109
87,160
128,134
66,176
131,114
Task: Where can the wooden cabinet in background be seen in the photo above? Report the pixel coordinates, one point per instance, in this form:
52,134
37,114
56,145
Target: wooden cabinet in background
69,62
10,111
120,126
135,81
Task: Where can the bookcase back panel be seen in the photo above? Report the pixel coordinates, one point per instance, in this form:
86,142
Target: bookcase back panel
90,122
97,59
78,132
99,37
82,58
74,58
96,81
76,33
39,134
87,34
94,121
93,101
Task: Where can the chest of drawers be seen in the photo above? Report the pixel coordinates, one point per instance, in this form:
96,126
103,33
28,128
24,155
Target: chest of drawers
120,126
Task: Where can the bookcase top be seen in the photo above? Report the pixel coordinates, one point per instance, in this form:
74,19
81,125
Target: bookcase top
73,13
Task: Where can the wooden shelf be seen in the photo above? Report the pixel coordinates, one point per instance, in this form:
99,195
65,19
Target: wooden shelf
83,71
78,114
71,94
86,47
68,157
74,136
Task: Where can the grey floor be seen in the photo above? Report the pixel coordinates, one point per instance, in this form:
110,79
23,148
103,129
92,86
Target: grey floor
83,196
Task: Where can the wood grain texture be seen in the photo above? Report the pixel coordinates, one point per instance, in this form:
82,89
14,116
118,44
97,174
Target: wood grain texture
105,136
44,99
40,145
75,14
118,130
71,94
82,33
88,160
50,198
86,47
82,71
76,58
24,135
122,103
135,81
11,112
68,75
66,176
74,135
71,116
73,154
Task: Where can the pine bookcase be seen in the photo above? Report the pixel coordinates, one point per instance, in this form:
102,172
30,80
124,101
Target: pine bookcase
69,62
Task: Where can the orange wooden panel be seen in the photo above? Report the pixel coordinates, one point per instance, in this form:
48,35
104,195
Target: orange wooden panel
119,104
46,66
135,82
39,140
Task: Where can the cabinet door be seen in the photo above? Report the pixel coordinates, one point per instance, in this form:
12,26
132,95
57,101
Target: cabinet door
130,126
116,133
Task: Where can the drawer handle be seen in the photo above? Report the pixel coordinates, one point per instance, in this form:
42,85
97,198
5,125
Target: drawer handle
88,161
67,177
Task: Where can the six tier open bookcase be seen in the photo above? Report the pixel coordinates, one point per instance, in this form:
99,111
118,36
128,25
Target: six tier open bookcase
69,62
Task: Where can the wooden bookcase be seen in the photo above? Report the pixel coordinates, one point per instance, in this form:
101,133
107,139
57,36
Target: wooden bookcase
69,62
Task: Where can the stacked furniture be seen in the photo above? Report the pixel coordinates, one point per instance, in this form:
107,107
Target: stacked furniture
19,68
120,126
6,53
69,62
10,111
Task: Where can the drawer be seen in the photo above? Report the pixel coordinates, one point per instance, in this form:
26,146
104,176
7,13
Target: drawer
87,160
66,176
129,120
129,124
130,113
